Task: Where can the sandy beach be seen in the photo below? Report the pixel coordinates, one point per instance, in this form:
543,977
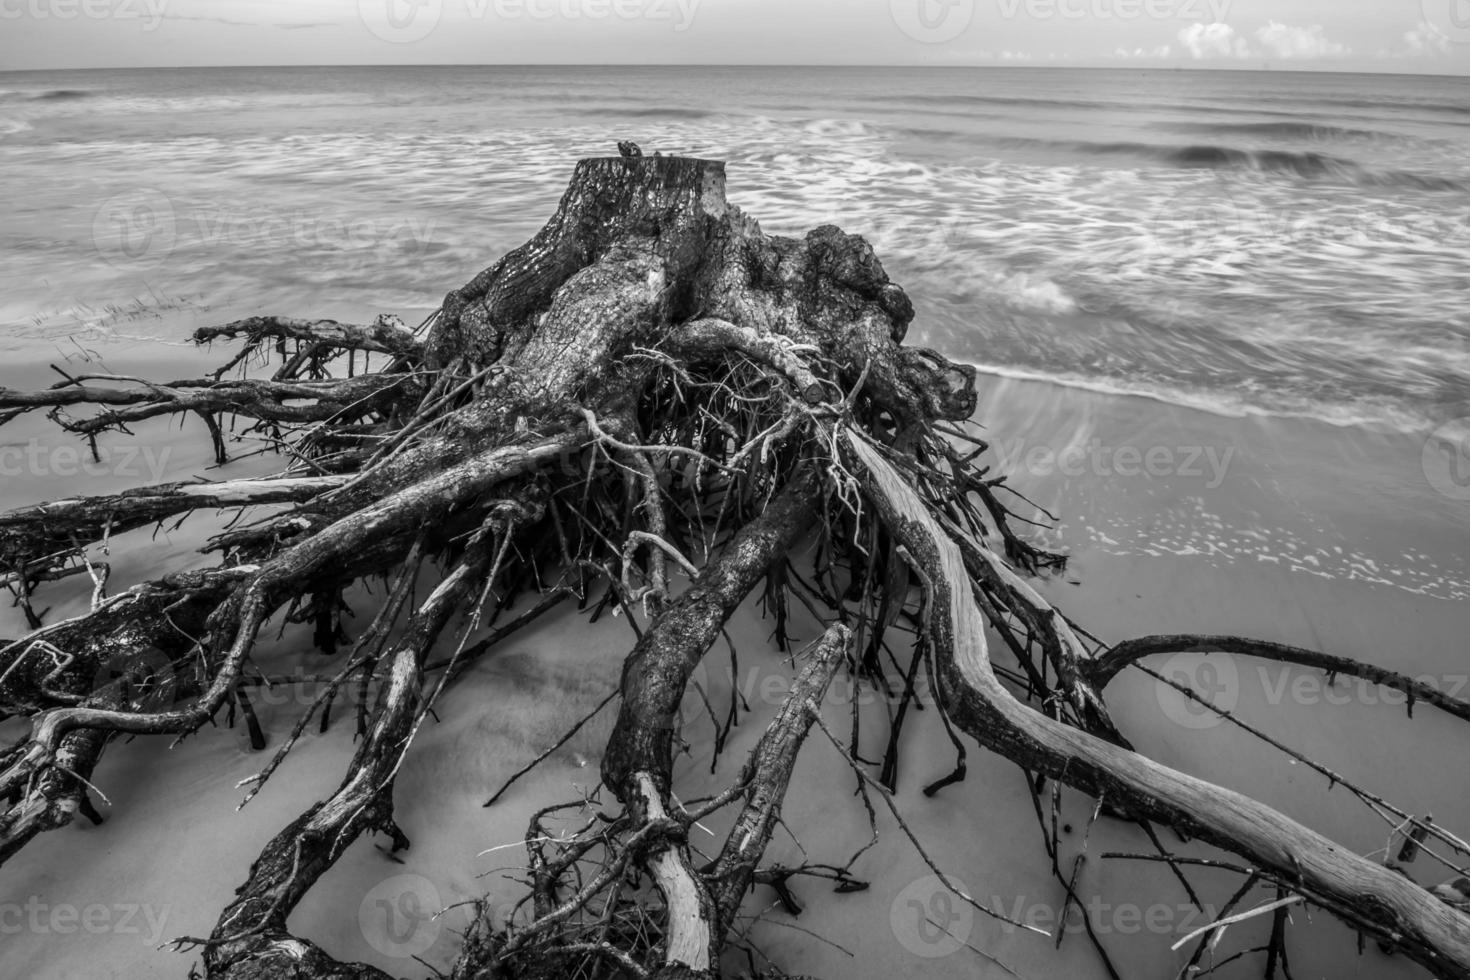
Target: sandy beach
1286,529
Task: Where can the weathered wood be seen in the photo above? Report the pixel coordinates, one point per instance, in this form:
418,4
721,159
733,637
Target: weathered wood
397,517
768,774
251,939
661,215
271,401
30,533
657,670
1106,667
1363,891
638,763
651,382
383,336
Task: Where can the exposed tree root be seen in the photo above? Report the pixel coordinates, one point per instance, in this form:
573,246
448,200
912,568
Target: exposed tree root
1102,670
1365,893
650,389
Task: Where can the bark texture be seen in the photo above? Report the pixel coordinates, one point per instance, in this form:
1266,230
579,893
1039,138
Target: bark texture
650,405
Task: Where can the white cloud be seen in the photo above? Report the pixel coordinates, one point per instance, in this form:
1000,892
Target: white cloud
1424,39
1160,52
1276,40
1283,41
1215,40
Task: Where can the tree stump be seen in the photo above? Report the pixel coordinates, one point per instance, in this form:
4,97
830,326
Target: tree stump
651,382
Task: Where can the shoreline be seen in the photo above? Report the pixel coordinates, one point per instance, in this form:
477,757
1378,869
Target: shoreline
170,328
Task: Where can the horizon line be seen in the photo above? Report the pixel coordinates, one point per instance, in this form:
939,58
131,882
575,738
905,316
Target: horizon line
766,65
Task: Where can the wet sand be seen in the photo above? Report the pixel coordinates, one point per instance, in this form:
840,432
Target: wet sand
1327,537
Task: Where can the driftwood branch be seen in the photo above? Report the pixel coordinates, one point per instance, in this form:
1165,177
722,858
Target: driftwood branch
1366,893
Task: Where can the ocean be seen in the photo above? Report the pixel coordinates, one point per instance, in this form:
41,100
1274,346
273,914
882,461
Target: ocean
1243,242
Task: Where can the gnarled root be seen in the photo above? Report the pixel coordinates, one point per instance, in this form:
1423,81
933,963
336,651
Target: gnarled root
649,386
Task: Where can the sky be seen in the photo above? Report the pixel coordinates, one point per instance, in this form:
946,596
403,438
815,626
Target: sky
1410,36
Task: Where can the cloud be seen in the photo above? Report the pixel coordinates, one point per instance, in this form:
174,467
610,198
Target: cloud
1283,41
1161,51
1424,39
1276,40
1215,40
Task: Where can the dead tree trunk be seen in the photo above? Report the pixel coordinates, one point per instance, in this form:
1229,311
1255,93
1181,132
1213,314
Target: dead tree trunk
650,383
